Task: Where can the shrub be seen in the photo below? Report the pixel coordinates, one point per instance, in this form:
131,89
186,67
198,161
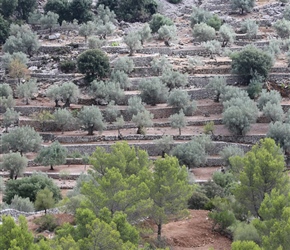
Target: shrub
203,32
218,85
223,219
227,34
273,97
280,132
229,151
167,33
68,66
199,15
246,232
193,153
208,128
133,41
273,111
255,86
22,204
4,30
94,63
251,61
124,64
158,21
215,22
198,200
153,91
282,28
250,27
46,222
243,5
223,179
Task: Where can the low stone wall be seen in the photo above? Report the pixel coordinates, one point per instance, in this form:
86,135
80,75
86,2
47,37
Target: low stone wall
154,150
16,213
59,50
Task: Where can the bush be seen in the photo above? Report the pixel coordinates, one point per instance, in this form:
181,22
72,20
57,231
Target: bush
214,22
203,32
250,27
223,219
158,21
4,30
211,189
22,204
246,232
243,5
199,15
282,28
198,200
193,153
251,61
131,10
174,1
68,66
27,187
223,179
46,222
94,63
153,91
229,151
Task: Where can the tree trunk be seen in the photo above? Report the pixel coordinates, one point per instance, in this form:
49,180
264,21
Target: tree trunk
56,103
163,154
166,43
159,232
51,167
67,103
91,130
11,174
179,131
27,101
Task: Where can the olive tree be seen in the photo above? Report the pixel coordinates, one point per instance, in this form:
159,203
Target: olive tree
250,27
21,39
272,97
87,29
135,105
124,64
158,20
68,93
243,5
217,85
7,58
63,119
91,118
227,34
203,32
178,121
10,117
104,92
174,79
143,119
145,33
49,21
133,41
273,111
15,164
52,155
160,64
198,15
22,139
153,91
167,33
27,90
282,28
280,133
193,153
239,114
